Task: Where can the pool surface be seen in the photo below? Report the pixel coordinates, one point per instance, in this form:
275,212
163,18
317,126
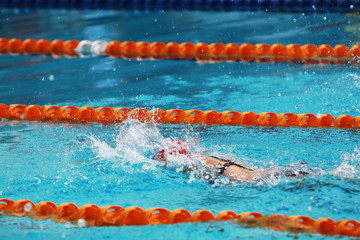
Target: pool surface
112,165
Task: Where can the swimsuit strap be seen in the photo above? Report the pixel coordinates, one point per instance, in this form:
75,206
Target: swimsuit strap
223,168
229,163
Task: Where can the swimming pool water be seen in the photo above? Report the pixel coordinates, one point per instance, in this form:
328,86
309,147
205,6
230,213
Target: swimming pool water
109,165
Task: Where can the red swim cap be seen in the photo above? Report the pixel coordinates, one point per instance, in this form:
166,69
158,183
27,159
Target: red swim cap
174,149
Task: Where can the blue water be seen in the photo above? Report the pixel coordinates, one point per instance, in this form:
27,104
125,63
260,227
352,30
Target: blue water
110,165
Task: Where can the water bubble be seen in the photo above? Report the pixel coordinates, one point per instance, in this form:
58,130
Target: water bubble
155,20
28,207
51,77
67,225
81,223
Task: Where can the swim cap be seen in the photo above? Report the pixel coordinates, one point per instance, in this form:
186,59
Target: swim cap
176,148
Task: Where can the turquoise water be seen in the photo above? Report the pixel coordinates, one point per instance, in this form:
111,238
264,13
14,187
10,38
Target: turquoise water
110,165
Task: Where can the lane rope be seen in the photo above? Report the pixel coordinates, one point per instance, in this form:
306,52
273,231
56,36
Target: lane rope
107,115
93,215
343,6
214,52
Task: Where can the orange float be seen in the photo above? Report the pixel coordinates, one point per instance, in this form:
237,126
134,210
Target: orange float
132,216
278,52
308,50
104,114
29,46
216,51
187,50
68,113
3,45
57,47
155,216
43,47
355,52
139,114
349,228
226,216
5,204
157,50
325,51
341,51
14,46
89,214
21,208
172,49
109,215
286,119
113,49
143,49
201,51
121,114
16,111
202,216
262,49
302,220
231,52
157,115
193,116
179,216
33,113
65,212
92,215
326,120
70,46
307,120
86,114
51,112
230,118
248,118
246,52
128,49
344,121
175,115
294,52
324,226
211,117
267,119
4,113
43,210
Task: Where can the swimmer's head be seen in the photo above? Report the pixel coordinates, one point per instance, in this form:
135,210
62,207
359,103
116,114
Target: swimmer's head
176,148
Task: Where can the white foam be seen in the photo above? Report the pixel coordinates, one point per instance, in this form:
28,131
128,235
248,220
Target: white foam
135,143
349,167
84,48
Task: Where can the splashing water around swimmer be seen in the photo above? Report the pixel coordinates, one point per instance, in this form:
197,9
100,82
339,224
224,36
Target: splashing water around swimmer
141,143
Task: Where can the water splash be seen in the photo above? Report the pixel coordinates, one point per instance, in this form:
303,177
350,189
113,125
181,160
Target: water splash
349,167
136,143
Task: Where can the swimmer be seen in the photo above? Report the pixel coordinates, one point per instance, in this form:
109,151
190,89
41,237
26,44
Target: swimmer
233,170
